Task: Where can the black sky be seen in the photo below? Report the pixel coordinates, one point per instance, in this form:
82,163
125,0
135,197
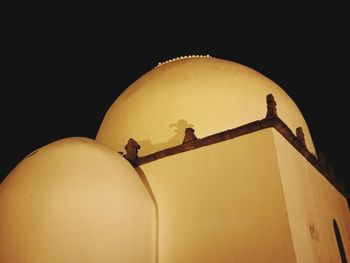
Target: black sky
61,75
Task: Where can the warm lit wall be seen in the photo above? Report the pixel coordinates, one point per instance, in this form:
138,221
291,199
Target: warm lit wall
209,94
76,201
222,203
312,204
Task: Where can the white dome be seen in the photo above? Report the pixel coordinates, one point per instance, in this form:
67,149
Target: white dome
75,201
211,95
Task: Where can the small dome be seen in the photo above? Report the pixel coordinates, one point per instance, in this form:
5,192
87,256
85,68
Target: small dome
208,94
75,200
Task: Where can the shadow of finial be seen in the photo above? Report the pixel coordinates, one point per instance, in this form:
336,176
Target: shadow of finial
301,136
131,148
271,107
189,136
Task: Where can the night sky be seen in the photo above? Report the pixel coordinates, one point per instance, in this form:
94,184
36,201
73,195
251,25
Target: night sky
62,76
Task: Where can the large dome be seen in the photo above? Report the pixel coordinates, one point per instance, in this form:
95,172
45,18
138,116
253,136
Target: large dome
75,201
211,95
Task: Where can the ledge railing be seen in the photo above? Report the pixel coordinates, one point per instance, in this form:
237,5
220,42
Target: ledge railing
191,142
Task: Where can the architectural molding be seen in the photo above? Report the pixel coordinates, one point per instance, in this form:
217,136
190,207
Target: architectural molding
270,121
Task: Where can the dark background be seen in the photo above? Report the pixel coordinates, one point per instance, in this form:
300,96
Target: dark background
62,71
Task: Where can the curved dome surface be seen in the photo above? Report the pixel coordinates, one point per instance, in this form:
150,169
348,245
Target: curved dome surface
75,200
211,95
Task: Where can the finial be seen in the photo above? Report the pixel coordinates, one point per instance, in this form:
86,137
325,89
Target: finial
189,136
271,107
131,148
301,136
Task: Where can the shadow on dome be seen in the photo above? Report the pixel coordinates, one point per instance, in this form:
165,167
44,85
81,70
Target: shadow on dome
148,147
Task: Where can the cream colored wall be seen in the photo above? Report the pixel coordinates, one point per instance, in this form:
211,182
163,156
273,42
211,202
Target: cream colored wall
222,203
211,95
76,201
312,204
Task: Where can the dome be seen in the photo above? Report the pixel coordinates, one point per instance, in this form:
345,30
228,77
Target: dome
75,201
207,94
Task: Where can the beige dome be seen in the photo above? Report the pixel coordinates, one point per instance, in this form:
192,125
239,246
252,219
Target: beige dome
75,201
211,95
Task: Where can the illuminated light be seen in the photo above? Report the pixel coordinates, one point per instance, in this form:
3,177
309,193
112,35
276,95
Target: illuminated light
253,197
180,58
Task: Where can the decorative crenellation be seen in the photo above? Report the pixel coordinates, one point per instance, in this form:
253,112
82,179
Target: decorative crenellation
189,136
131,148
301,136
271,107
182,57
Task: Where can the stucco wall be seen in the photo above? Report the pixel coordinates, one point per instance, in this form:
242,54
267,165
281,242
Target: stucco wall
312,204
222,203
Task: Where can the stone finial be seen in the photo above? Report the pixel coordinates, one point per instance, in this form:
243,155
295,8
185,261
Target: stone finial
131,148
301,136
271,107
189,136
